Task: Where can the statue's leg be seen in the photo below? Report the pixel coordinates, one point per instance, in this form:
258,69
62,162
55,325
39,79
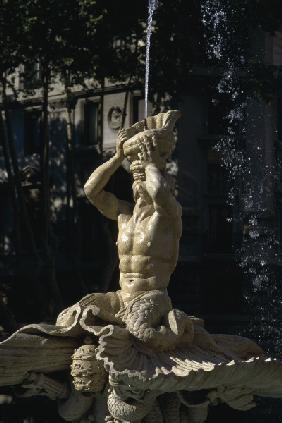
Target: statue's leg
150,319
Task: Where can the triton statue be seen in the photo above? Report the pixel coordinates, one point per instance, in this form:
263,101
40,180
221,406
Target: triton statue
129,356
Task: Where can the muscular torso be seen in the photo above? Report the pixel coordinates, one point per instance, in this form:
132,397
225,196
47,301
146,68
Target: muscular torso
148,249
149,235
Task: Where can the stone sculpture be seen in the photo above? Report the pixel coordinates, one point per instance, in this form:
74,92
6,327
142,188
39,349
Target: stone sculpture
129,356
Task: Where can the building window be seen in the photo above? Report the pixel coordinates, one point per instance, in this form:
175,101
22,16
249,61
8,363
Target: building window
32,131
32,76
90,123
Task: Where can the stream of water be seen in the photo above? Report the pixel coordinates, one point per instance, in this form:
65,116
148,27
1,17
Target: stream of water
153,4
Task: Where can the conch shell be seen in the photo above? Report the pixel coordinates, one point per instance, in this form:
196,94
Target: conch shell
159,126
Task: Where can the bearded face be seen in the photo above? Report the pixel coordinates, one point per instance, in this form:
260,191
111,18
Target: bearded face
164,146
140,193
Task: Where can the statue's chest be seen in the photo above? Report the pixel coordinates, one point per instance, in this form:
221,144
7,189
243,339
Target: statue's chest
142,236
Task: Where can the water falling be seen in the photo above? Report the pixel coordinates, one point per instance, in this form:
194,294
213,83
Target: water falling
241,150
153,4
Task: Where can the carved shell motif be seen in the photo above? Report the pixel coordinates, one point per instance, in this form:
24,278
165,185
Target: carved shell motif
88,373
159,126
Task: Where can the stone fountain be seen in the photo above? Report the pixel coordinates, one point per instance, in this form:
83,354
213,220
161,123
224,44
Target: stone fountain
129,355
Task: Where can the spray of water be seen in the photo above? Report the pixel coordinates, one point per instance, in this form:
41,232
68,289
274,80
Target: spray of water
241,150
153,4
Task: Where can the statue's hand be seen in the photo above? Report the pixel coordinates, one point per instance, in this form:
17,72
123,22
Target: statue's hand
148,151
138,171
119,145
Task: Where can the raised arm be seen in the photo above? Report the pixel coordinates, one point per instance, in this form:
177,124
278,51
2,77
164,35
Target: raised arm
107,203
163,200
155,181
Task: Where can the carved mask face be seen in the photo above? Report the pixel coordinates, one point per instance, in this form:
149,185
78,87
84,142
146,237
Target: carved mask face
88,373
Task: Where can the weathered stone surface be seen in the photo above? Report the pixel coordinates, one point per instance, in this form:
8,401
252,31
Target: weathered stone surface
130,355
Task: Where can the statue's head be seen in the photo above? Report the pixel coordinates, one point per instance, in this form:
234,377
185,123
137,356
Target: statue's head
157,128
